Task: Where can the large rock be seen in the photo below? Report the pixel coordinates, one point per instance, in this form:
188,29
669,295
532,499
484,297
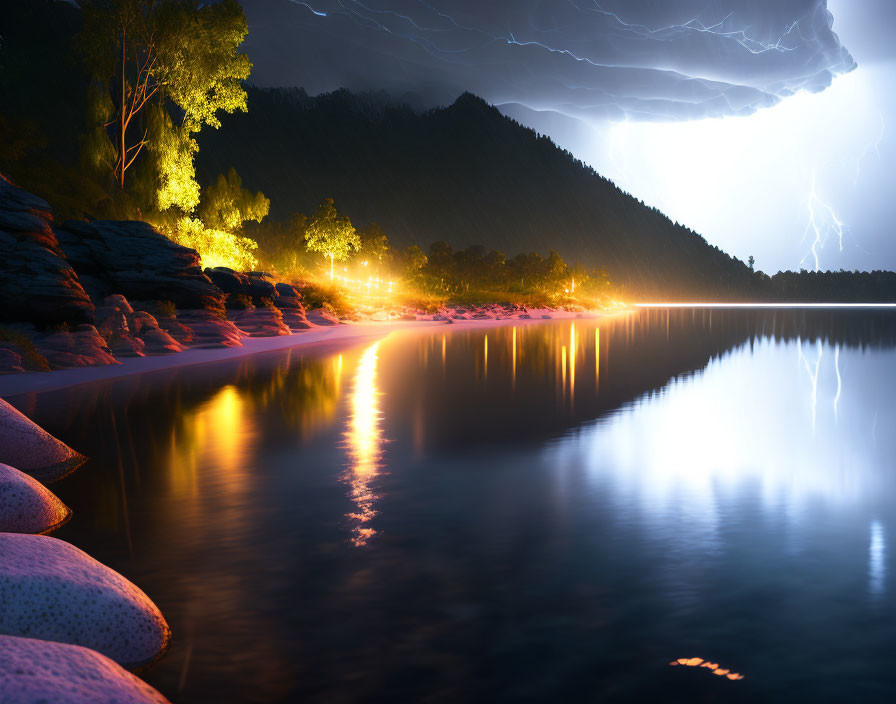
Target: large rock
253,284
129,257
37,284
295,320
263,321
30,448
83,347
10,360
52,591
26,505
208,329
321,316
39,672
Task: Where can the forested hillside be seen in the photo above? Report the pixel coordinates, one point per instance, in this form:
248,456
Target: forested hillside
463,174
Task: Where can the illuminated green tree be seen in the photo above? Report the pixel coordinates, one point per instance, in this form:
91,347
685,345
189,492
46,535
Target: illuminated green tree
226,205
331,234
177,53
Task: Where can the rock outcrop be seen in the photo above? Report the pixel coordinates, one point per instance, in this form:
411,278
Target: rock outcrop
130,258
37,671
209,329
31,449
131,333
37,284
320,316
53,591
261,321
27,506
82,347
254,284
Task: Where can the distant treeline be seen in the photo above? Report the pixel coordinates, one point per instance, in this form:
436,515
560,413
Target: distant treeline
830,286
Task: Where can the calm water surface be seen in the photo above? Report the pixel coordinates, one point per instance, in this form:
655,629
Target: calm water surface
548,512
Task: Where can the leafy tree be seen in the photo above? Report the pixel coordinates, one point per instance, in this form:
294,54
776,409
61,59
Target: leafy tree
226,205
374,243
331,234
159,52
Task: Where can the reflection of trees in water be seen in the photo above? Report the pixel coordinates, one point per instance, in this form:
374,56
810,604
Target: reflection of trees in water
573,371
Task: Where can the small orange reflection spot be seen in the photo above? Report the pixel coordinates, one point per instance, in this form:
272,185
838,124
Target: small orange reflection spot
712,666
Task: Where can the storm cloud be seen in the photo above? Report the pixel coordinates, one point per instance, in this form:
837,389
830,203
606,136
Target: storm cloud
613,59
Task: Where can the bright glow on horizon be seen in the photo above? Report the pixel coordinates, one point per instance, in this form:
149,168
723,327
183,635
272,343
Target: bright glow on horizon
764,305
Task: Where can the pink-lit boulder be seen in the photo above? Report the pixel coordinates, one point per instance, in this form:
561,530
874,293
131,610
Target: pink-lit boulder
38,672
31,449
26,505
50,590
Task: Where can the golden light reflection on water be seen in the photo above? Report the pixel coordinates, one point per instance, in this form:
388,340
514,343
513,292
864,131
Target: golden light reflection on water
364,440
218,432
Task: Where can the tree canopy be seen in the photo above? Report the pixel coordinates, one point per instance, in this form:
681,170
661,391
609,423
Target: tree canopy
331,234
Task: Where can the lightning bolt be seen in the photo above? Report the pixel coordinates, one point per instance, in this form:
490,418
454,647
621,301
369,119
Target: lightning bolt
822,222
423,32
754,46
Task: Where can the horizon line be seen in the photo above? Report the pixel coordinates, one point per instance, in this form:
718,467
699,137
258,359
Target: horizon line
764,305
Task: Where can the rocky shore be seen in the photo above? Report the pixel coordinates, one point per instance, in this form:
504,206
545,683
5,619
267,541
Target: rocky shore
87,294
71,629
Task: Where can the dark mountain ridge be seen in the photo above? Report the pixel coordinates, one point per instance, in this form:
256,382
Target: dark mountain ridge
465,174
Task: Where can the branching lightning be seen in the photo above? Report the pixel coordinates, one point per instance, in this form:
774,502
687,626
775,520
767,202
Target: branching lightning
813,375
754,46
823,222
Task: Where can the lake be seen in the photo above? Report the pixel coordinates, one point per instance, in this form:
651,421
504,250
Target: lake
551,511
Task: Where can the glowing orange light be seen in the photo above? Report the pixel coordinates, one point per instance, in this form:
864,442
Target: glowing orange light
364,443
711,666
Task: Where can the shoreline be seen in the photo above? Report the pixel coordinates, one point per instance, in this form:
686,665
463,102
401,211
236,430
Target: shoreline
37,382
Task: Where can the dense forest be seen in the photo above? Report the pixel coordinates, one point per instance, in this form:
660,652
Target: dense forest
464,175
462,179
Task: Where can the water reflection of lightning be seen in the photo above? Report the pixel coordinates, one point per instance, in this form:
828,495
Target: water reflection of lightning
813,375
839,381
822,222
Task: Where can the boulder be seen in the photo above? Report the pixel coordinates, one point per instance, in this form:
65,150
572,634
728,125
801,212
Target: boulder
26,505
226,279
37,284
130,258
285,290
180,332
127,346
157,341
84,347
10,360
27,446
209,329
52,591
37,672
263,321
295,320
320,316
253,284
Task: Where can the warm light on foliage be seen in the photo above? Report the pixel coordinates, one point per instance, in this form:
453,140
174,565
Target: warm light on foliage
331,234
216,247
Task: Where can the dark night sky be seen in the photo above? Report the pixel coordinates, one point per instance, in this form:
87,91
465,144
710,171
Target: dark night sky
762,124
